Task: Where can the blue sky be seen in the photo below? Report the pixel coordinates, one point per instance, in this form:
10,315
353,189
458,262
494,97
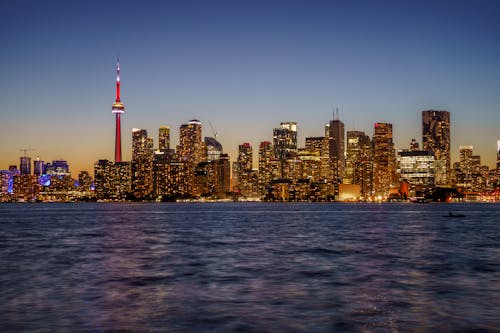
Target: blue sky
245,66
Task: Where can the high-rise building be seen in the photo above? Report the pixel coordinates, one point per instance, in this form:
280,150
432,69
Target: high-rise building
416,167
436,138
315,158
142,163
384,159
25,165
118,109
465,162
285,140
214,149
222,175
112,180
84,181
38,167
191,147
164,138
269,166
359,154
245,179
170,176
336,136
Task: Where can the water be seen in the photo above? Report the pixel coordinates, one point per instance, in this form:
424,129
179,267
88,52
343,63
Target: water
250,267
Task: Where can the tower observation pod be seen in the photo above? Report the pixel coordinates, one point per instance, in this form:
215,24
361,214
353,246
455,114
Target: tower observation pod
118,108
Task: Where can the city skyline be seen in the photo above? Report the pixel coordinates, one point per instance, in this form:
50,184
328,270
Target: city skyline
244,68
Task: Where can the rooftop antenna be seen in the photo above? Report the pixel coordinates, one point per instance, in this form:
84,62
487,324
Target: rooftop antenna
337,114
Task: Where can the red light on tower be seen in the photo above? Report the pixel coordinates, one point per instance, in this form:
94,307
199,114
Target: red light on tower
118,108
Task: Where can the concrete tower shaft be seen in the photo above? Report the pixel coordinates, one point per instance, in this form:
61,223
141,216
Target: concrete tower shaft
118,108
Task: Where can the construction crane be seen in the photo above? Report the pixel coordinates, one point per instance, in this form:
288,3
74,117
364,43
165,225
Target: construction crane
26,150
213,131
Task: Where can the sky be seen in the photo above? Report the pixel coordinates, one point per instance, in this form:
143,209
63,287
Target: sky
243,66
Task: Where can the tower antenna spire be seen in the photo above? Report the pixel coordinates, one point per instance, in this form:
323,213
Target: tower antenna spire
118,79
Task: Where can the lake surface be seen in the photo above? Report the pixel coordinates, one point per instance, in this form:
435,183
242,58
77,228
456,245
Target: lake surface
249,267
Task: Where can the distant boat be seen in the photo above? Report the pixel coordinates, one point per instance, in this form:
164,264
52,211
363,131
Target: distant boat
450,214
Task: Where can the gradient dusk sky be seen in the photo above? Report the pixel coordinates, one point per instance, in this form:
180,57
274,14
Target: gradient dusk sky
245,66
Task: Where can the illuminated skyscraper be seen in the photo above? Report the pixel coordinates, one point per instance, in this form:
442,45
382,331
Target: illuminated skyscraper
384,159
38,167
245,179
336,136
191,147
117,109
164,138
285,140
465,163
112,180
269,166
214,149
416,167
436,138
142,163
25,165
359,161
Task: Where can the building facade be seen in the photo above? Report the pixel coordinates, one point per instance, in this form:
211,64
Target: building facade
359,165
384,159
436,138
416,167
336,140
164,138
142,163
285,140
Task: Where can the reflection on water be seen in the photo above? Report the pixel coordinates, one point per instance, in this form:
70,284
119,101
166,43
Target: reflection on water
249,267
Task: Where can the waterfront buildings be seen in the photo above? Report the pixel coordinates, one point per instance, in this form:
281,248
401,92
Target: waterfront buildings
436,138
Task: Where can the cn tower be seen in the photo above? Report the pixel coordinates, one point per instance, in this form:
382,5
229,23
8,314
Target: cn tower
118,108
